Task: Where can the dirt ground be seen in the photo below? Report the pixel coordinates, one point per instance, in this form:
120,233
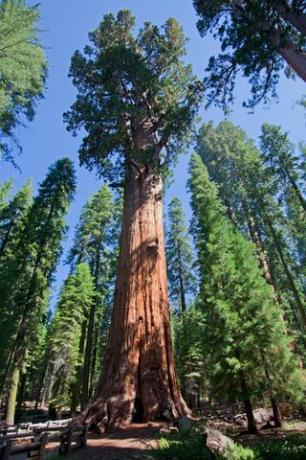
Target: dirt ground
135,442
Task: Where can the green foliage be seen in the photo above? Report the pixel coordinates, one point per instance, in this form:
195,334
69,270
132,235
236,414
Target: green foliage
190,355
253,36
291,448
65,331
286,170
251,193
96,243
26,276
135,95
183,447
238,452
190,446
11,219
22,67
244,331
180,258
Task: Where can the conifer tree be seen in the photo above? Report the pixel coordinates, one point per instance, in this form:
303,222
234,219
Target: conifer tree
244,331
5,189
136,101
282,162
64,357
93,244
22,67
25,281
179,258
11,218
190,355
246,189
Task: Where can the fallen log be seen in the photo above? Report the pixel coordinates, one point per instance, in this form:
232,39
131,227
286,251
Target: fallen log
217,443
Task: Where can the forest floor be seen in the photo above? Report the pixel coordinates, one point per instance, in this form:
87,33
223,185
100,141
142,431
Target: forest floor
135,442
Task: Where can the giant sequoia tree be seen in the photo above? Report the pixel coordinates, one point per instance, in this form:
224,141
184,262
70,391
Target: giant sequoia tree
136,101
258,37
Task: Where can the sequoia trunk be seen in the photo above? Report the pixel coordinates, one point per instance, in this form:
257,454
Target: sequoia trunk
139,381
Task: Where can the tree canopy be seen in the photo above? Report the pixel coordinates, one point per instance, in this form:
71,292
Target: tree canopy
135,97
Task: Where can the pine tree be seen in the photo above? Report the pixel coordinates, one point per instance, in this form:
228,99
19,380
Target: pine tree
22,67
11,218
244,332
64,358
25,281
190,355
257,38
95,235
136,100
246,189
5,189
180,260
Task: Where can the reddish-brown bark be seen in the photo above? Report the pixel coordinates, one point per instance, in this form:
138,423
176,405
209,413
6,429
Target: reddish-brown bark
139,379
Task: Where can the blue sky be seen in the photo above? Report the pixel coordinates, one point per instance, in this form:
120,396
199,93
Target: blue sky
65,25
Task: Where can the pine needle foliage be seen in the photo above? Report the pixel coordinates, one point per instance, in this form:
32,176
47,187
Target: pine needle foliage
247,347
22,68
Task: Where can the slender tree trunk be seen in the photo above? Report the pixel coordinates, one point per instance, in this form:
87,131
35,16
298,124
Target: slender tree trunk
12,397
88,355
252,428
288,273
89,348
139,372
77,387
182,288
296,19
295,187
21,393
278,422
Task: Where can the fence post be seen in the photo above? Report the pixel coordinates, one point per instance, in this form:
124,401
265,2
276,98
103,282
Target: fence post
42,447
65,444
83,436
5,451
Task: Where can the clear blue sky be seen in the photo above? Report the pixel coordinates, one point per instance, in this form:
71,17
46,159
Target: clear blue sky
65,25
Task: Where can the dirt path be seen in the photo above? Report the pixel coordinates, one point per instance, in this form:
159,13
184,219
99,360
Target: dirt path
135,442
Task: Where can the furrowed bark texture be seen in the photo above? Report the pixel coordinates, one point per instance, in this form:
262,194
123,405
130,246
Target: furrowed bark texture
139,378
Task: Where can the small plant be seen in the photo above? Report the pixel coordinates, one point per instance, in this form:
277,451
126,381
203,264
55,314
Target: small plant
238,452
291,448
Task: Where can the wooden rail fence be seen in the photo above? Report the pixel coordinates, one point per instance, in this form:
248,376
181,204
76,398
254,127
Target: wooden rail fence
34,443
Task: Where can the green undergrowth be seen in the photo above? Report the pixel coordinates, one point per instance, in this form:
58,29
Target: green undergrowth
191,447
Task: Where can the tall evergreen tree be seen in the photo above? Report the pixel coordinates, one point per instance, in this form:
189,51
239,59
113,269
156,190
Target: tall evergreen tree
258,38
11,218
93,244
282,162
136,100
244,331
246,189
22,67
180,260
5,189
25,281
62,379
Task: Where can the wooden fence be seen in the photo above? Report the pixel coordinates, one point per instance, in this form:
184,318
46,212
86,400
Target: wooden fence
34,443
